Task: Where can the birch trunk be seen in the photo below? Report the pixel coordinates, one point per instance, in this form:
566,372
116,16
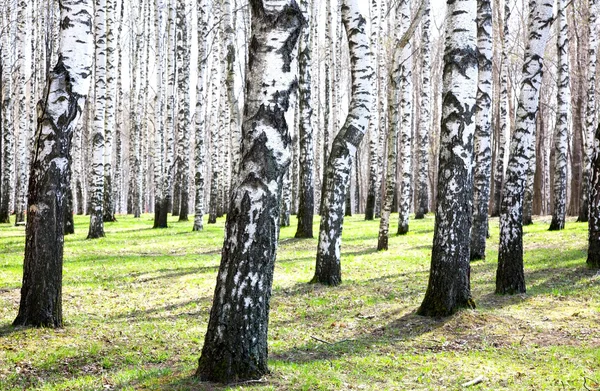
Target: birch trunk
449,279
68,84
343,150
590,111
235,346
562,122
96,229
199,162
593,258
374,123
306,194
504,117
406,125
422,206
510,277
183,120
483,131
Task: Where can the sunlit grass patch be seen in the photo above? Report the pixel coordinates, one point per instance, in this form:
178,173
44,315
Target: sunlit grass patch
136,306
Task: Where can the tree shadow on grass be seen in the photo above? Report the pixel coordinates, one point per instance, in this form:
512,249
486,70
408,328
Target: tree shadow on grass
405,328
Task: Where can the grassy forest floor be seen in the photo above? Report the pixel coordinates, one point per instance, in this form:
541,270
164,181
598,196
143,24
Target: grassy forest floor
136,307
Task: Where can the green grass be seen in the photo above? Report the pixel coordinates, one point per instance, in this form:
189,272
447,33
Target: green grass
136,307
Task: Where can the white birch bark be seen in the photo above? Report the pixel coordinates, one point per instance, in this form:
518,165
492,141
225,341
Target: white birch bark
510,276
110,119
96,228
483,131
374,124
405,196
8,137
504,116
22,126
199,163
235,346
590,110
183,117
328,265
449,286
562,122
68,84
424,129
306,198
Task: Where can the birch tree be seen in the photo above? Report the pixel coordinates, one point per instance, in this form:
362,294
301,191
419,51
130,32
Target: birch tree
405,194
343,150
374,125
449,285
8,154
110,119
96,229
200,131
235,345
562,121
422,206
510,276
590,110
483,131
593,258
306,204
183,117
504,119
68,84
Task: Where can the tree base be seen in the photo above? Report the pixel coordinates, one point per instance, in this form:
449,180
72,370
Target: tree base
226,370
433,309
419,215
326,280
382,243
556,225
402,229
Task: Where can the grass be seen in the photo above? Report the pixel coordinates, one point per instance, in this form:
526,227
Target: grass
136,307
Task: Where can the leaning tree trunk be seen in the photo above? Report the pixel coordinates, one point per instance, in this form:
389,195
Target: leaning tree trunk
96,229
235,346
68,84
510,276
306,199
422,206
483,131
562,122
590,112
504,118
343,150
449,279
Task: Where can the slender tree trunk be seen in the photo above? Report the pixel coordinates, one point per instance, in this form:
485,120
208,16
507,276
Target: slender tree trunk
183,120
590,111
483,131
68,84
504,117
111,123
8,154
96,229
510,277
392,158
199,163
343,150
425,117
449,285
374,124
406,126
235,346
562,124
306,205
